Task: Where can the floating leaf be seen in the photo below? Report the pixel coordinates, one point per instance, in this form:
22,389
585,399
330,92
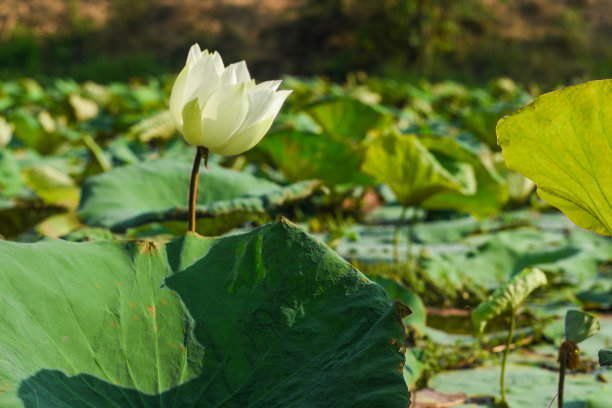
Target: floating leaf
562,142
348,118
28,129
156,191
489,193
306,156
508,297
53,186
266,319
579,326
84,109
528,386
408,168
10,178
157,126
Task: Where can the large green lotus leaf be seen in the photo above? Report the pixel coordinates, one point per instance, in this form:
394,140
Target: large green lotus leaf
490,192
271,318
579,326
306,156
562,142
509,296
156,191
486,266
348,118
408,168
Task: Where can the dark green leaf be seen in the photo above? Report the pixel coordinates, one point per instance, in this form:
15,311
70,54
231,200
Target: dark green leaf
605,357
579,326
266,319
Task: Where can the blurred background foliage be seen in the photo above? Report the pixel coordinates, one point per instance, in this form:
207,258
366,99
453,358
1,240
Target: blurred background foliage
539,41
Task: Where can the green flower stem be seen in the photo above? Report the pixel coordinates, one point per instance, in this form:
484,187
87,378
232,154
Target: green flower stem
194,181
396,238
97,153
502,382
561,376
410,225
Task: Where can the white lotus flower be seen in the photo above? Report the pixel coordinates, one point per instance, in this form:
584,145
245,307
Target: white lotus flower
220,107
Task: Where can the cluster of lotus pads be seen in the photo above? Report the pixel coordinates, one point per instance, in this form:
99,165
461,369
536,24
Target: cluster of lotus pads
271,317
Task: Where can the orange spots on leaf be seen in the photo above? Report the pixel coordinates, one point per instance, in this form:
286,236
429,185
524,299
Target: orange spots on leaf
151,311
97,286
132,305
172,346
64,338
164,302
119,283
135,317
114,324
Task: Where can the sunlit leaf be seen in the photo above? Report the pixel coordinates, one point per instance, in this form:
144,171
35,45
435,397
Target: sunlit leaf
408,168
53,186
489,192
157,126
563,143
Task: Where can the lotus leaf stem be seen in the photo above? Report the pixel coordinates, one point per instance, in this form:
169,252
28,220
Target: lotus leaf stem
563,362
502,382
